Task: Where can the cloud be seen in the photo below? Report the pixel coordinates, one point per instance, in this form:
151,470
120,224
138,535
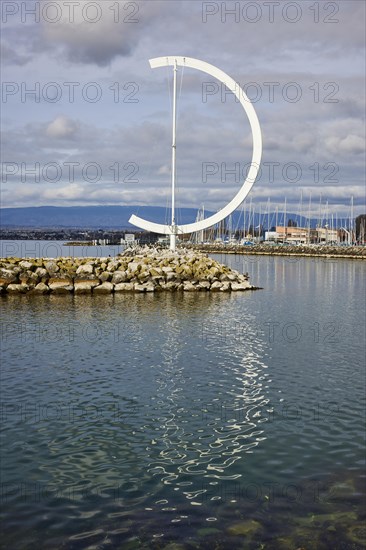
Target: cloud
350,144
345,137
10,57
62,127
98,32
164,170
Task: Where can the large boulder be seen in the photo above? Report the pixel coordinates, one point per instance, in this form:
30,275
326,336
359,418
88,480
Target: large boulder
85,286
124,287
61,286
171,285
104,288
25,265
41,272
29,278
225,286
41,288
216,286
112,265
240,286
17,289
52,267
204,285
119,277
144,287
105,276
143,276
8,275
84,269
189,287
133,267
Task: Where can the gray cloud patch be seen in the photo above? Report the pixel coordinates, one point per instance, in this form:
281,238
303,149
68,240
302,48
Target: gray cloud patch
9,56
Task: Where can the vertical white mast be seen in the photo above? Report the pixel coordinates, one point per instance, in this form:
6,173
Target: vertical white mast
300,223
351,223
174,147
244,220
309,214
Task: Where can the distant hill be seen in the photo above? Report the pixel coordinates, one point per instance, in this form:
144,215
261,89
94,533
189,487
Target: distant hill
116,217
103,217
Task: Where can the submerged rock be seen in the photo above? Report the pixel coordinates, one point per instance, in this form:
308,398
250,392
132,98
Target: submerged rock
246,528
336,518
357,533
341,490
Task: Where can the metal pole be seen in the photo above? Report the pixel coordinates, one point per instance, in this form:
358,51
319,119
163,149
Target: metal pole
352,225
309,214
174,147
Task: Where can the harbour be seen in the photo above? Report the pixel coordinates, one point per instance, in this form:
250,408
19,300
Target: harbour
180,420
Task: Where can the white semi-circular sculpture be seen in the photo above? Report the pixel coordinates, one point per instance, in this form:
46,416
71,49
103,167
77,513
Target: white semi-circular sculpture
256,157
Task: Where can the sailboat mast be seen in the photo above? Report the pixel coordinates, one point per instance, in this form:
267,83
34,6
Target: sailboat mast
174,151
309,214
351,222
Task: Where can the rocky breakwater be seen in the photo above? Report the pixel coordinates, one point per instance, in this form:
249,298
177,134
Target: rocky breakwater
139,270
266,249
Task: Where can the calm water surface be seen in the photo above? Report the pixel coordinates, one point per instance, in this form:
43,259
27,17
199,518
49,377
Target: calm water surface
54,249
188,420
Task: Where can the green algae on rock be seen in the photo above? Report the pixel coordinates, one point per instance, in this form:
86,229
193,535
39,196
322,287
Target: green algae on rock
246,528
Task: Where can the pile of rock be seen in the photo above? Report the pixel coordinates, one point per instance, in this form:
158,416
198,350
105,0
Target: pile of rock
140,270
325,251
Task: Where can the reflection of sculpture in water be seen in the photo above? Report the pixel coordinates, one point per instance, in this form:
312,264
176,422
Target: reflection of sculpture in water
206,424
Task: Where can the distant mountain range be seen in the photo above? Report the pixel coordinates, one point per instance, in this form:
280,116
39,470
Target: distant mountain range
116,217
93,217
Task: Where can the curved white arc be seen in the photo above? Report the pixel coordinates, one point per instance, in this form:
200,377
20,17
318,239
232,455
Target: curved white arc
256,156
154,227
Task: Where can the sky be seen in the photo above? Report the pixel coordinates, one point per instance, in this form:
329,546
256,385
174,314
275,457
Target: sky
86,121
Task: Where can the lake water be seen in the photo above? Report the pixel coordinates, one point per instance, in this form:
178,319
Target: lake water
54,249
184,421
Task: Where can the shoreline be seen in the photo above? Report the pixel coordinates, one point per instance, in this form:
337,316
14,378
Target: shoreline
336,252
134,270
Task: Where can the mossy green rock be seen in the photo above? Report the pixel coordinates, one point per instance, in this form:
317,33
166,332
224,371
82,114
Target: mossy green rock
207,531
357,533
246,528
337,518
342,490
